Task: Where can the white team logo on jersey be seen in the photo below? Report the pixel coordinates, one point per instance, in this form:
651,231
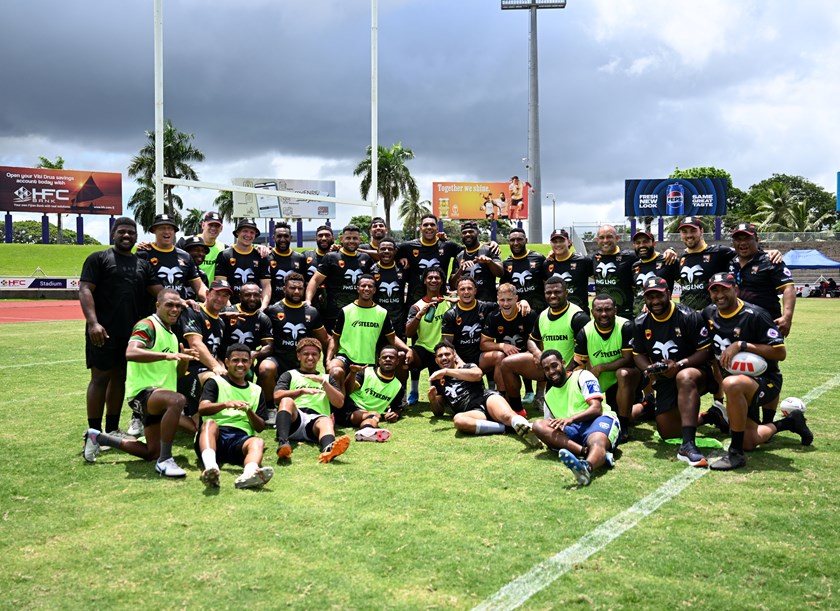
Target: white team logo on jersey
689,273
244,275
665,350
521,277
513,340
426,263
281,273
242,337
171,273
604,269
388,287
452,391
472,329
294,329
642,278
721,343
353,274
213,343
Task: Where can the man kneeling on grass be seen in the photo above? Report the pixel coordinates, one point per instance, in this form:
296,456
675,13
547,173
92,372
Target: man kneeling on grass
372,394
304,397
155,361
232,410
575,423
477,411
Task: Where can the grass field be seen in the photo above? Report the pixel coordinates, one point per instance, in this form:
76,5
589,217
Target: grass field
428,520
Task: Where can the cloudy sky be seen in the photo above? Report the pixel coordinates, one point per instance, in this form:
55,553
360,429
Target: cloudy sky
628,89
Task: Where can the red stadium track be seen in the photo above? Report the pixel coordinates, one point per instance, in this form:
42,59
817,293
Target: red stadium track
39,311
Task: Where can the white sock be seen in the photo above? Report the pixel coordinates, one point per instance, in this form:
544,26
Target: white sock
517,419
488,427
250,469
208,457
415,386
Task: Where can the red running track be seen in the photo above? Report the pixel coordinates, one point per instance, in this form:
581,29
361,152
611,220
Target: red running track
39,311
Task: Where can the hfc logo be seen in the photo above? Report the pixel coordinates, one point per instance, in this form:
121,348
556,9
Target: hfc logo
41,195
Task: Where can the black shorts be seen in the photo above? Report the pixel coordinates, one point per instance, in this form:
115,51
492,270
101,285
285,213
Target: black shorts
665,390
284,364
111,355
347,362
611,394
768,390
139,405
427,359
342,414
479,404
228,445
190,386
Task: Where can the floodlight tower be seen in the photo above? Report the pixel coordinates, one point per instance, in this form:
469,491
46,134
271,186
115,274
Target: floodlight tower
534,216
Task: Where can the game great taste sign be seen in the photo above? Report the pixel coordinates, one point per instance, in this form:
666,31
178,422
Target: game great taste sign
675,197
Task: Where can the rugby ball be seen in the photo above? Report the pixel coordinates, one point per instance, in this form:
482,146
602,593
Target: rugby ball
748,364
790,405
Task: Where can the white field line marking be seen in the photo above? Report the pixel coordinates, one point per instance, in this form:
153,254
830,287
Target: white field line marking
45,363
515,593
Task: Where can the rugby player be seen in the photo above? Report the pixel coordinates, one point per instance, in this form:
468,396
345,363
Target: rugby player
477,411
737,326
649,263
155,361
211,228
423,253
242,263
282,260
573,267
372,394
232,412
576,422
390,285
304,397
198,250
524,270
247,325
462,323
476,261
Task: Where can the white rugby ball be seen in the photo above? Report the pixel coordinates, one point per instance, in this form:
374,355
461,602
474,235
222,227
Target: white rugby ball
790,405
748,364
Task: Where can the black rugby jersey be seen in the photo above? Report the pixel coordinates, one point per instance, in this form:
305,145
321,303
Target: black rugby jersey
526,274
678,335
695,269
463,326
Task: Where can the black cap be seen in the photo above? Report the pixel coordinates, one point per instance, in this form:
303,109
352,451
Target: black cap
220,285
642,232
196,240
691,221
723,279
212,217
747,228
246,222
164,219
469,225
655,283
560,233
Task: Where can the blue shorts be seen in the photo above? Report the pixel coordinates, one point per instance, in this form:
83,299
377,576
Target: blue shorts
228,445
579,432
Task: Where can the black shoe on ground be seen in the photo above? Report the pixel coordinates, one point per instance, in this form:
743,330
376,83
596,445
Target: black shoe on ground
732,460
801,428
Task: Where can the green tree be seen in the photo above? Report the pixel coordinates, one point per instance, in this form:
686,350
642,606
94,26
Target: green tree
820,203
58,164
191,224
411,211
362,221
781,209
178,153
224,205
394,178
29,232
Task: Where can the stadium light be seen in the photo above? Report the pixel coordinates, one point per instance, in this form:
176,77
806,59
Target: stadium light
534,177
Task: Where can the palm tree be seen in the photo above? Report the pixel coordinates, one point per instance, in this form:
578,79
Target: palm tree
178,152
780,210
393,176
143,204
58,164
224,205
411,212
191,224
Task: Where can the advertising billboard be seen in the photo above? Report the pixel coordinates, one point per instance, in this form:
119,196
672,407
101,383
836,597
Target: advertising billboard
268,206
60,191
481,200
675,197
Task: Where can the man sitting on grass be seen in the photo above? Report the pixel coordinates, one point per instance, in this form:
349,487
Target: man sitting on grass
155,360
232,411
458,386
304,397
575,423
372,394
